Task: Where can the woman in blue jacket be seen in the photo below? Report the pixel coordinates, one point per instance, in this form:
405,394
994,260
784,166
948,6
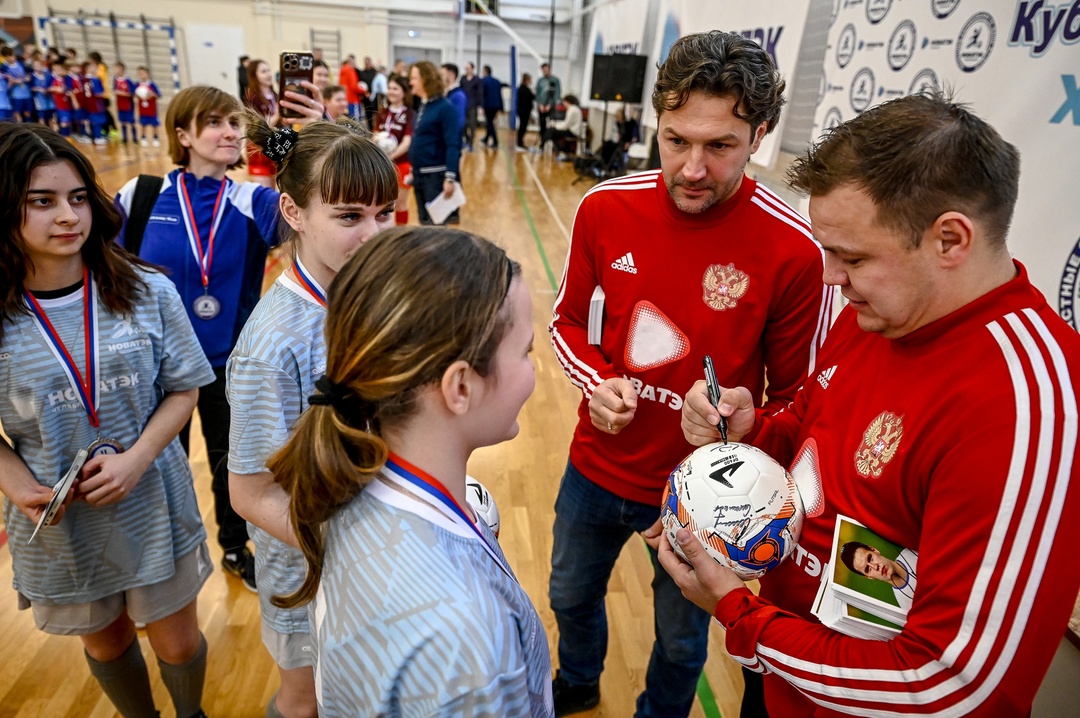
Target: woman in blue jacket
436,142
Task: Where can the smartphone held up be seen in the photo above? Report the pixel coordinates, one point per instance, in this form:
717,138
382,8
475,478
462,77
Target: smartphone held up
295,67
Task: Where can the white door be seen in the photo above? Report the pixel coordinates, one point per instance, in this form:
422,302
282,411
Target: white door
214,54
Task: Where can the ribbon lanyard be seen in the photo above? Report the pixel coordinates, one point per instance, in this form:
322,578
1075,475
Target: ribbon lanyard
86,389
204,260
310,285
420,482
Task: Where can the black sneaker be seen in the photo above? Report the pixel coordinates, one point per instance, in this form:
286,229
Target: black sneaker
241,563
573,699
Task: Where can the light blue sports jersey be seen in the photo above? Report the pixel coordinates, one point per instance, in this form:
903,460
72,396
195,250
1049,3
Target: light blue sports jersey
415,618
272,371
97,552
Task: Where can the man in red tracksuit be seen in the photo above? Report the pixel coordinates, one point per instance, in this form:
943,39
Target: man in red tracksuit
693,259
944,414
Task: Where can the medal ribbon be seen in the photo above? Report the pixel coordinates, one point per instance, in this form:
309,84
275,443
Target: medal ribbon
416,478
86,389
310,285
205,261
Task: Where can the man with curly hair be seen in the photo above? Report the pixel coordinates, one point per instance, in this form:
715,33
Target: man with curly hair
693,259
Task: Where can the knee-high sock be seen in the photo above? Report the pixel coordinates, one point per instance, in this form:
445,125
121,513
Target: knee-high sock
185,681
271,708
126,682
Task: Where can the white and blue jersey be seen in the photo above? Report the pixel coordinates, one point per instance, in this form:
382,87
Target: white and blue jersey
278,357
414,617
248,227
16,75
96,552
43,100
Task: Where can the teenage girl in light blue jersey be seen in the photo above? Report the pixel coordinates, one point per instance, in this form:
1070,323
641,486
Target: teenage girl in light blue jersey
414,608
337,191
99,369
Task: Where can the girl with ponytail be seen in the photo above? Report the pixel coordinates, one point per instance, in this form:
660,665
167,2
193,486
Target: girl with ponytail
414,607
337,191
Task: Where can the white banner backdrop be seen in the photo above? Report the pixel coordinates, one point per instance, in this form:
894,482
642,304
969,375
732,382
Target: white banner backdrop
1017,64
618,28
776,25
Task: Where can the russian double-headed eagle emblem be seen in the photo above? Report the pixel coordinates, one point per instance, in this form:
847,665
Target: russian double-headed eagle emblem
880,442
724,286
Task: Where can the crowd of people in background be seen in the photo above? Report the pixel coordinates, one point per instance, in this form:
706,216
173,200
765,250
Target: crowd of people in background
78,98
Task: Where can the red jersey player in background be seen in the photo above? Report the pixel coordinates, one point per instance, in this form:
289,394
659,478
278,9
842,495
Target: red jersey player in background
944,418
124,89
693,259
147,93
396,119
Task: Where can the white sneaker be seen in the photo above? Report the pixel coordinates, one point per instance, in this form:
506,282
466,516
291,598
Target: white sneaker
83,140
157,144
144,143
519,148
101,141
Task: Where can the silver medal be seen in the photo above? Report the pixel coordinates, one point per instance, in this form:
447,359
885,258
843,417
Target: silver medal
206,307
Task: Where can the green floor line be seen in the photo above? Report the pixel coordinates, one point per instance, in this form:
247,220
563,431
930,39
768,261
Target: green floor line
704,690
528,217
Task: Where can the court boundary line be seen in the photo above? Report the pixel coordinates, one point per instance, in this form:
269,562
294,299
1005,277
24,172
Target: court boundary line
528,217
547,200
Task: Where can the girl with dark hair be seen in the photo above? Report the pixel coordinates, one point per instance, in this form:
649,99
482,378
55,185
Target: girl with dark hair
396,120
262,98
436,144
337,191
211,234
100,369
414,607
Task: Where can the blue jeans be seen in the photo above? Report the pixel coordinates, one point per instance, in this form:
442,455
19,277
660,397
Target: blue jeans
591,527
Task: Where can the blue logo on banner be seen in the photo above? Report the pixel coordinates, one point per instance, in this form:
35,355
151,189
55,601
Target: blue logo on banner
876,10
862,89
901,45
1067,290
1037,24
845,46
671,34
943,8
926,81
975,42
767,37
1072,101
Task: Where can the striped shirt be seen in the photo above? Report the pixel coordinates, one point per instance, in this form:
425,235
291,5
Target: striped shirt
272,371
414,618
96,552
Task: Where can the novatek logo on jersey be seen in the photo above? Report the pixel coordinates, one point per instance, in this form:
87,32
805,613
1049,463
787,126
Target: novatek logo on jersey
845,46
901,45
862,89
925,82
943,8
975,42
625,263
1037,24
1067,294
876,10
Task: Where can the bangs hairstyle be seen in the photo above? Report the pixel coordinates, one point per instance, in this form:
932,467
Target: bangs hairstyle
409,303
197,103
722,64
430,79
336,160
918,157
24,148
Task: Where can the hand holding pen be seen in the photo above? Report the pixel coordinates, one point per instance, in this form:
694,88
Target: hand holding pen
713,387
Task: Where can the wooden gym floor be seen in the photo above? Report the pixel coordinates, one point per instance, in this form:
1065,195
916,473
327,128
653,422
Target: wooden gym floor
526,204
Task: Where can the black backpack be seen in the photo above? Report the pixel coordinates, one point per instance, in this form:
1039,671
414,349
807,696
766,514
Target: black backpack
147,190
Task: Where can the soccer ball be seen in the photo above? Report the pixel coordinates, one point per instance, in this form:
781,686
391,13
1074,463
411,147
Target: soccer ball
742,505
386,141
483,504
142,92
